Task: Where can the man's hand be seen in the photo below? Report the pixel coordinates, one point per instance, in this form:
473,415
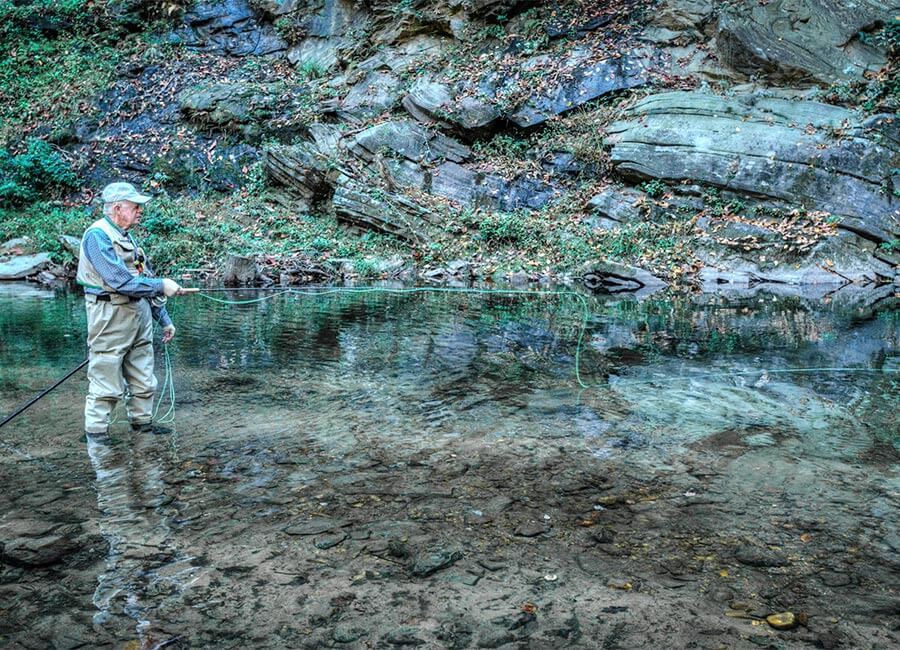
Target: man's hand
168,333
171,288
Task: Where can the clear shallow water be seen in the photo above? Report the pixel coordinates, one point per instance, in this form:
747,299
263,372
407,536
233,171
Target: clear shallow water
305,407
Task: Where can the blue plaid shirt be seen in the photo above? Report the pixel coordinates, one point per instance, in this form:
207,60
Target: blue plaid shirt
99,251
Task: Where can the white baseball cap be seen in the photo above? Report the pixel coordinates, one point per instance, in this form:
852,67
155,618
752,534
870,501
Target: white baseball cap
123,192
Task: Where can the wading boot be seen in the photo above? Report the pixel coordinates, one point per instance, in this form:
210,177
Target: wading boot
151,427
103,438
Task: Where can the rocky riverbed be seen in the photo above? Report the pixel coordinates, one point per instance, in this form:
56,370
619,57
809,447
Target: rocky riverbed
445,482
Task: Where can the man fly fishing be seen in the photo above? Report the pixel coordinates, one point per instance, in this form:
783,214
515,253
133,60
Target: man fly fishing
122,299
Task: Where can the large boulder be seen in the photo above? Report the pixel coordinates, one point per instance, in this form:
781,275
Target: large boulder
802,40
22,266
817,156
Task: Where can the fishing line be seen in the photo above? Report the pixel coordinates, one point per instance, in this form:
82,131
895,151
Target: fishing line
585,316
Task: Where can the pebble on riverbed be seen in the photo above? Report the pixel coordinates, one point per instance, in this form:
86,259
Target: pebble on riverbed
782,620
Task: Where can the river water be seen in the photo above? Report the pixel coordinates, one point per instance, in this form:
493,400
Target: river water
472,469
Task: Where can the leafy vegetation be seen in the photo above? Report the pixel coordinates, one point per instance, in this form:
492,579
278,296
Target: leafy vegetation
53,58
887,37
39,169
506,228
181,233
44,223
654,188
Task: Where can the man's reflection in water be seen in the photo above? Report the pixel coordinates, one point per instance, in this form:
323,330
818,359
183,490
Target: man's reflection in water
130,496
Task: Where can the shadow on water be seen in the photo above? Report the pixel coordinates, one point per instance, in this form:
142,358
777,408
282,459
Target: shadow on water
334,452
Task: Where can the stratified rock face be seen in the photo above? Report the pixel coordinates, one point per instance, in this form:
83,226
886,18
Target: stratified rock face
407,154
408,140
377,93
303,170
365,207
802,40
814,155
474,106
585,82
230,27
228,104
680,15
330,26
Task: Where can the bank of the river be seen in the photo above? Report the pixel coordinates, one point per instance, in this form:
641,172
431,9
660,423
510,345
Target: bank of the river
438,140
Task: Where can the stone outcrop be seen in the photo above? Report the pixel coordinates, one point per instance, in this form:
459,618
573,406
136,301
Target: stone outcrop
243,106
377,93
813,155
409,155
840,259
331,28
683,15
469,105
368,208
382,162
304,170
230,27
802,40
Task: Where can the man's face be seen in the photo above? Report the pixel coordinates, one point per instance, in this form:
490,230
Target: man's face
128,214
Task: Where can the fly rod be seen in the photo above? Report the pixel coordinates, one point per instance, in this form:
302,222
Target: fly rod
25,406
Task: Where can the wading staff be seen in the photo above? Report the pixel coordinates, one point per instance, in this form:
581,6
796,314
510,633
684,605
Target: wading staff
25,406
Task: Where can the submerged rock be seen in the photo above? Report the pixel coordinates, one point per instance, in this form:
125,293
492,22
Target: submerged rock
782,620
37,551
759,557
431,562
314,526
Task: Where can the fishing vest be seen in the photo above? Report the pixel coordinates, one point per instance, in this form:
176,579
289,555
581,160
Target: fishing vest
125,249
